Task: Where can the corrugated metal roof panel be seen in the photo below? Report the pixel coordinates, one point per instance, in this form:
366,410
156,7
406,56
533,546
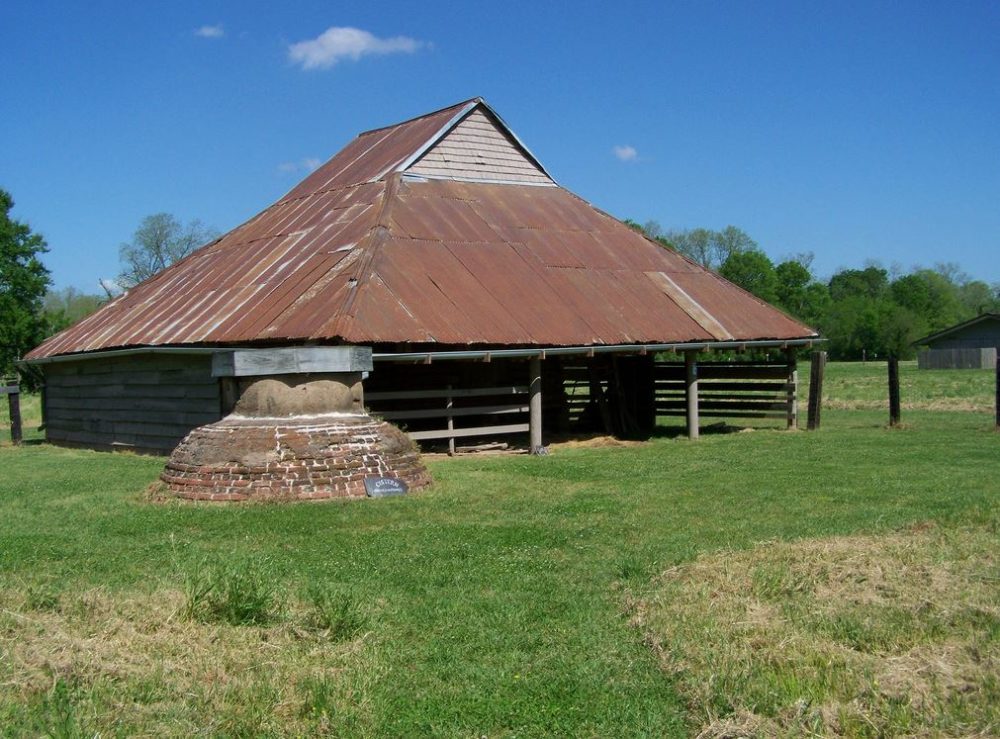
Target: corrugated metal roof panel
341,258
373,153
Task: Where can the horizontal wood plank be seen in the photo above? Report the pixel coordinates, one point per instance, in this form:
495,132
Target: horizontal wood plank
454,393
486,410
513,428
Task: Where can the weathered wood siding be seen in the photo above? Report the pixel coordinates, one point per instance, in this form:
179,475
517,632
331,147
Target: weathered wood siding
146,403
476,149
957,358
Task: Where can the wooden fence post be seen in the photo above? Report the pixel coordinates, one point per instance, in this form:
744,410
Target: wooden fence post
893,391
998,393
691,392
817,369
449,404
13,393
535,405
793,389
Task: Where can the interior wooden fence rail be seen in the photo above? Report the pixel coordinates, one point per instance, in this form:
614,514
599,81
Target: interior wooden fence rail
453,413
749,389
578,383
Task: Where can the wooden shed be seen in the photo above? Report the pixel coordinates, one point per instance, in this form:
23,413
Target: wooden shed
972,344
490,296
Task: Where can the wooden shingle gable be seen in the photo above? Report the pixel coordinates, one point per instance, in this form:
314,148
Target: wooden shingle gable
479,148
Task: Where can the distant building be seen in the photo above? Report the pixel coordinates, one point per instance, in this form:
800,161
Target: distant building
972,344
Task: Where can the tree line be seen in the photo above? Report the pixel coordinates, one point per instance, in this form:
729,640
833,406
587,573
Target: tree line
863,313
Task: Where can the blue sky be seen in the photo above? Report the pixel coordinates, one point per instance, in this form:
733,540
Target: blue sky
856,131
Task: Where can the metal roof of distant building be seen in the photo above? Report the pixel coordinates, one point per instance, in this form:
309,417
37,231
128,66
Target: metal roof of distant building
957,327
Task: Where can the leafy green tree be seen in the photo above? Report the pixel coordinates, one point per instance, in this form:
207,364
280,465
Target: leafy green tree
931,296
159,241
731,241
63,308
898,327
754,272
792,283
851,327
870,317
870,282
798,292
977,297
23,282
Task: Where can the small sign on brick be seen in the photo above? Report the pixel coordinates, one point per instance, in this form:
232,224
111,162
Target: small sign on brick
384,487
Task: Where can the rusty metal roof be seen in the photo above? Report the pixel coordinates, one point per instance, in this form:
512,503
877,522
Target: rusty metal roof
362,252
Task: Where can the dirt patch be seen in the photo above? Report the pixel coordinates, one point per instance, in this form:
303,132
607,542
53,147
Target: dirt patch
888,635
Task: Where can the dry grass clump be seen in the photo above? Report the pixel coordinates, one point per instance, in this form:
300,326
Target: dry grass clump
102,663
591,442
850,636
952,405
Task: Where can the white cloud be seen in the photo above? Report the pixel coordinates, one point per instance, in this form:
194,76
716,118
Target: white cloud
308,164
338,43
216,31
626,153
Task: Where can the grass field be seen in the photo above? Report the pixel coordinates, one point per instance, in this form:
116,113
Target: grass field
840,582
857,386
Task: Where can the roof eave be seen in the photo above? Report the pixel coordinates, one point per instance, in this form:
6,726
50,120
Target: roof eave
677,346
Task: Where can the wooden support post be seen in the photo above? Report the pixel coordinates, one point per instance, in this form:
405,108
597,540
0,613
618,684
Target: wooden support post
229,394
43,401
449,404
893,391
535,405
816,371
998,394
793,389
599,396
14,405
691,392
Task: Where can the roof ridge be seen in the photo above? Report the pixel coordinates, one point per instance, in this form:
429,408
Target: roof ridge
461,104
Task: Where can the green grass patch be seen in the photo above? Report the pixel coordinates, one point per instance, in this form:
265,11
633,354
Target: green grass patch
865,386
31,414
237,593
497,603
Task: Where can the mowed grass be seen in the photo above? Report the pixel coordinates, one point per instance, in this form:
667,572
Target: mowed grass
31,413
858,385
519,596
